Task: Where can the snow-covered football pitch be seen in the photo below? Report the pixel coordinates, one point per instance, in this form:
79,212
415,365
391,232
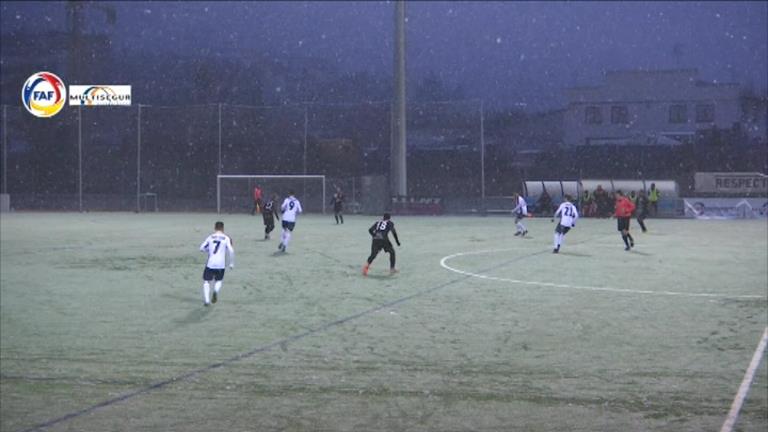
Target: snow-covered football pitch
102,326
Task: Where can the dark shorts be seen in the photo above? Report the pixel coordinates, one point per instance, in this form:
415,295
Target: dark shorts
289,225
623,223
560,229
519,216
378,245
211,274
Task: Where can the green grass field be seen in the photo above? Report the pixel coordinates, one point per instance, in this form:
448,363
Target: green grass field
103,327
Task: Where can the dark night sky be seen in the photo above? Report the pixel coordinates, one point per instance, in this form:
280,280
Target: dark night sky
505,52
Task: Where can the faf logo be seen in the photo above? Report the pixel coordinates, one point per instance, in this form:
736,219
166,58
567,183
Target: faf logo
44,94
91,95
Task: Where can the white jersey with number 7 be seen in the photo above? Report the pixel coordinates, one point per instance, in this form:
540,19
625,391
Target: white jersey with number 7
290,208
218,245
568,214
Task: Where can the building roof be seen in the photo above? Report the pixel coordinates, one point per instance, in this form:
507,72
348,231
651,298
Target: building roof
653,86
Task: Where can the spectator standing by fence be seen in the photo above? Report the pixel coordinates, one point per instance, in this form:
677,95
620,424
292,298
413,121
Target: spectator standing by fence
587,204
603,201
653,198
544,204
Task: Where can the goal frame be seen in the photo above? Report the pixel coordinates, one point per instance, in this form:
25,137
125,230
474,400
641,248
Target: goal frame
265,176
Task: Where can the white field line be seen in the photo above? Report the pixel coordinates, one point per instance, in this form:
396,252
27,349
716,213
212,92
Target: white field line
733,414
444,260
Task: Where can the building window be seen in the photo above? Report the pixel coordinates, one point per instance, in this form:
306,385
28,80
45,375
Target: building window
619,115
705,113
678,114
593,115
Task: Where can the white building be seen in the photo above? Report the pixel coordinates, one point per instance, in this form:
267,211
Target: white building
654,107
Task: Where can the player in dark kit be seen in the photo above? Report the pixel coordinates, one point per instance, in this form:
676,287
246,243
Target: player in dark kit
269,216
641,208
338,202
380,233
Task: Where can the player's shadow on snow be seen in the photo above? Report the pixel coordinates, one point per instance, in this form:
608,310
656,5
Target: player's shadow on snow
181,298
380,276
195,316
277,254
575,254
634,251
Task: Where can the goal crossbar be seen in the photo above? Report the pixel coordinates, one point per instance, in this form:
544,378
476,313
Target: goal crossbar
265,176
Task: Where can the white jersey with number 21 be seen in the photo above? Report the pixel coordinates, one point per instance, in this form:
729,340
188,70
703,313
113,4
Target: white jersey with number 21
567,213
290,208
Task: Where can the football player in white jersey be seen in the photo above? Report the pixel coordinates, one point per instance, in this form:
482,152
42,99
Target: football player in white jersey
290,208
568,215
520,211
218,245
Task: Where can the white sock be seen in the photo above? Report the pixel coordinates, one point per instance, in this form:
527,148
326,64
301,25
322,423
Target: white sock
206,292
282,237
560,238
519,227
287,238
556,238
217,286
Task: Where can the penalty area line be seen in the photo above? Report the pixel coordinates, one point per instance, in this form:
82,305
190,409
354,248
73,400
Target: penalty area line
746,383
445,259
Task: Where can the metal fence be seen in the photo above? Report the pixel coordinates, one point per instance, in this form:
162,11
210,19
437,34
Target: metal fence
112,158
128,158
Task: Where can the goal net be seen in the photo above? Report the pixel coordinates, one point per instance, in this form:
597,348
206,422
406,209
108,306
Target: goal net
234,193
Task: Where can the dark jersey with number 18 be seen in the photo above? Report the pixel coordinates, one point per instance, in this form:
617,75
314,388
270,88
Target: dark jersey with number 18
380,231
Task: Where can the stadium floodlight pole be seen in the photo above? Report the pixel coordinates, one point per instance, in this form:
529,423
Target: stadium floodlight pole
5,149
80,156
306,136
219,170
138,162
398,169
482,152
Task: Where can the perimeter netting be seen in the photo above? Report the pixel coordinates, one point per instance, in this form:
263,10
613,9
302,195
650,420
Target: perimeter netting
235,194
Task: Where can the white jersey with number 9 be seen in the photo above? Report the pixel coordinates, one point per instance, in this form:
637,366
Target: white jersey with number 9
290,208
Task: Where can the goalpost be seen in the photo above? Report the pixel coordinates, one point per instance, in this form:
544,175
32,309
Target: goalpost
237,190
